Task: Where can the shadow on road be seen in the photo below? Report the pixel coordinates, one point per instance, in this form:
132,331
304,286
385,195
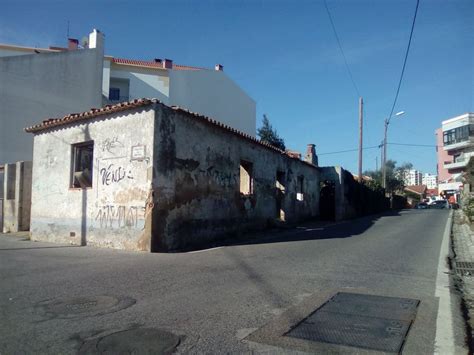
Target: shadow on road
311,230
58,247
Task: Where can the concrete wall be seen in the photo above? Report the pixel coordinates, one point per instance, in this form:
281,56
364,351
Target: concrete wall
353,199
212,93
143,82
112,212
196,181
17,202
45,85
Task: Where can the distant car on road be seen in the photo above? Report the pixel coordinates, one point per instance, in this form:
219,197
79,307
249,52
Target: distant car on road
421,206
440,204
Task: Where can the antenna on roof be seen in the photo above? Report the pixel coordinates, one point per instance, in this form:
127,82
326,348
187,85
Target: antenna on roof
67,33
84,42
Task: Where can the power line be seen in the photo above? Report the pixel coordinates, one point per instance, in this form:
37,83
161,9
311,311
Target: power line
340,47
416,145
380,146
349,150
404,62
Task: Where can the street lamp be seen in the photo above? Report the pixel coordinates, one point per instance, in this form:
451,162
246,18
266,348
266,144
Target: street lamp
384,168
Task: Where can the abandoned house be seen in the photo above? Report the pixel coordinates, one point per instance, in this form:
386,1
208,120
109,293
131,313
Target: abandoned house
145,176
141,175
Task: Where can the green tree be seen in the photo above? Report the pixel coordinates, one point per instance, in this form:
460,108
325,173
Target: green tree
269,135
395,176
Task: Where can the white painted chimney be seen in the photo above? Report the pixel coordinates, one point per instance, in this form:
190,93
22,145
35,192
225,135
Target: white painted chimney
96,39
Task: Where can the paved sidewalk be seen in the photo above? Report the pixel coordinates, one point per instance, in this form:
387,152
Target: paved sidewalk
463,246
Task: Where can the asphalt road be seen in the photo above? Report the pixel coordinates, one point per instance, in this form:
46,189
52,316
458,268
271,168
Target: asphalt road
212,299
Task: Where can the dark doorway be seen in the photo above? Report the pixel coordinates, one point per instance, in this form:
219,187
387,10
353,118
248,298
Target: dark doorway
327,201
280,195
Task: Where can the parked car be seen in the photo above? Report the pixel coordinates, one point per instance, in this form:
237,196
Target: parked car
440,204
421,206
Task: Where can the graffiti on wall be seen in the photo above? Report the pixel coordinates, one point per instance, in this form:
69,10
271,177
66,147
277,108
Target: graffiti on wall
109,144
113,174
221,178
120,216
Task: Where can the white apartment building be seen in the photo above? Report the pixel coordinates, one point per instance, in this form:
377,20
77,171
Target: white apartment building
430,180
458,142
413,177
39,83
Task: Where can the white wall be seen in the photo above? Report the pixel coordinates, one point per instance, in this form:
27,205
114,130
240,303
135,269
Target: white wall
106,78
144,83
38,86
214,94
111,212
459,121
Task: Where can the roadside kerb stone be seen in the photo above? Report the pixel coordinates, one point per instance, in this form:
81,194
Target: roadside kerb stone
463,247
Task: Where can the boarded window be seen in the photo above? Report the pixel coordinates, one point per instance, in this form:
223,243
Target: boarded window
82,162
299,191
246,177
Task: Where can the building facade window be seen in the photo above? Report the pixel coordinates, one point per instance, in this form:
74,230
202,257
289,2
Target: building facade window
82,164
299,191
114,94
246,177
457,135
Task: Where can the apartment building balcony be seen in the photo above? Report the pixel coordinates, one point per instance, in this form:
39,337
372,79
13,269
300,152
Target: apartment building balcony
459,162
459,144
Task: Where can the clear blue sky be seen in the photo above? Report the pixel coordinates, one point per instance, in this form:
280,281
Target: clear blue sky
284,55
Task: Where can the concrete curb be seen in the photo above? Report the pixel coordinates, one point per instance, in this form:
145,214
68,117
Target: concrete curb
463,284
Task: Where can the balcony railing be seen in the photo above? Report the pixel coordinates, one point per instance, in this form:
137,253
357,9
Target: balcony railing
119,99
459,162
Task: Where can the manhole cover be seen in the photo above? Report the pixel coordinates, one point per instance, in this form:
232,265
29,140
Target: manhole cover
85,306
364,321
133,341
465,268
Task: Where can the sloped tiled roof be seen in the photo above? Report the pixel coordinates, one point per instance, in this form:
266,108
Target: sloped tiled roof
418,189
152,64
124,106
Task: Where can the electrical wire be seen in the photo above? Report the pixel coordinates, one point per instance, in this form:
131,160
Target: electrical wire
349,150
416,145
379,146
342,50
404,62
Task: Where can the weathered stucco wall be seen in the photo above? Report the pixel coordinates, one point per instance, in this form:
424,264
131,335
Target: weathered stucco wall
112,212
352,199
16,187
197,196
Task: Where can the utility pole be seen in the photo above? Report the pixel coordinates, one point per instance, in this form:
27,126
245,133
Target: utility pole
361,125
384,163
381,156
376,163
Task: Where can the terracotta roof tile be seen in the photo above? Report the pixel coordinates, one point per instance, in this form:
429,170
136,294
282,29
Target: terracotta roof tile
152,64
419,189
123,106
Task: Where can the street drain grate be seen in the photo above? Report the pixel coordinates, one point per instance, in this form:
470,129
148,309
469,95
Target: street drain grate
89,306
133,341
364,321
465,268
